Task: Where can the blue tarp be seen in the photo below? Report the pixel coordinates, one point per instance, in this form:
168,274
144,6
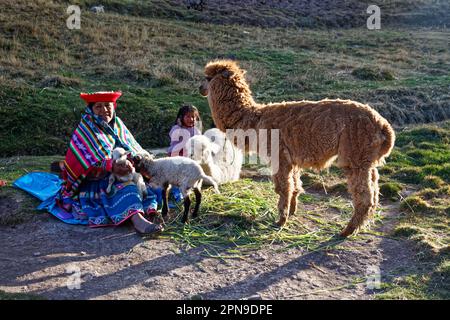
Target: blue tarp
45,186
42,185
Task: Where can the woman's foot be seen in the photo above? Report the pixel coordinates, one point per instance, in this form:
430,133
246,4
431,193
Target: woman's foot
145,227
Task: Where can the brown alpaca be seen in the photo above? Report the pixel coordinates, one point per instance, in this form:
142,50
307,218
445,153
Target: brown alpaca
312,134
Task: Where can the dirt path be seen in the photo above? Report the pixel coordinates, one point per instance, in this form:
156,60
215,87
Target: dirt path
40,256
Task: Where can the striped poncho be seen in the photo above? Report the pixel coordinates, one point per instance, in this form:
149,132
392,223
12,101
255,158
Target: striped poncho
91,148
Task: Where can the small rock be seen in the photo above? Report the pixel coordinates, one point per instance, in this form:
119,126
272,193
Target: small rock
88,276
254,297
260,258
82,253
174,274
197,297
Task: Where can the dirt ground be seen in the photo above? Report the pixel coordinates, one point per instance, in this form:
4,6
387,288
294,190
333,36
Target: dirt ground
44,257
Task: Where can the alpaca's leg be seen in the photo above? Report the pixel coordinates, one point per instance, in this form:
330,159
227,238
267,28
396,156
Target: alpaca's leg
283,187
198,200
360,185
297,183
376,189
187,206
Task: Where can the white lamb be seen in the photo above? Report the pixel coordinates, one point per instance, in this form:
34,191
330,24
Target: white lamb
120,157
182,172
216,154
98,9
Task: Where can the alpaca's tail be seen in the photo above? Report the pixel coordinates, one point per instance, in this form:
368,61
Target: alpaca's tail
211,181
388,144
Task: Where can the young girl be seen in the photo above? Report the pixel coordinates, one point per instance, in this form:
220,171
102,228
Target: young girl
187,124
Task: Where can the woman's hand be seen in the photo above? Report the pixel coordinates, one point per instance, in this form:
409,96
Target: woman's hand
122,170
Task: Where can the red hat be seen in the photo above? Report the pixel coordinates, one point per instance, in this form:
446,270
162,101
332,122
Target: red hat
101,96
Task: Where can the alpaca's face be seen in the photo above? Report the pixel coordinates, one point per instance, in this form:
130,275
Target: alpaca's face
218,73
204,86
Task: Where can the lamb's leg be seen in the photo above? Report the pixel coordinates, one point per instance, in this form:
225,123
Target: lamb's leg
110,182
297,183
140,184
361,187
187,206
165,207
283,187
198,200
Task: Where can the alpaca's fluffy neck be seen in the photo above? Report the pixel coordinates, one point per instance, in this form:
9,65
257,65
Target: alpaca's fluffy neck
232,105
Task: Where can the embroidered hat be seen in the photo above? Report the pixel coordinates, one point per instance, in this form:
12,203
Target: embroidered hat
101,96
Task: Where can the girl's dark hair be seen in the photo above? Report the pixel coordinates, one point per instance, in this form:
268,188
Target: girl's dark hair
184,109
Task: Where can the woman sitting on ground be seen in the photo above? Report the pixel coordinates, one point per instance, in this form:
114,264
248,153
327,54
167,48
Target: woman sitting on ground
88,164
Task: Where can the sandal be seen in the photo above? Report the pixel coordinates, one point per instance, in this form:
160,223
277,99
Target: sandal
152,229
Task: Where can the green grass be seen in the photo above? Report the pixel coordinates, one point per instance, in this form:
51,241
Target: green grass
242,218
421,156
391,190
366,73
429,286
421,162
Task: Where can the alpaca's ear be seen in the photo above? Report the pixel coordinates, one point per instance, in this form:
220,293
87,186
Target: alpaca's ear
227,74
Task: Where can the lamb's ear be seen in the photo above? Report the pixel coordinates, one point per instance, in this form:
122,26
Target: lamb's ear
227,73
215,148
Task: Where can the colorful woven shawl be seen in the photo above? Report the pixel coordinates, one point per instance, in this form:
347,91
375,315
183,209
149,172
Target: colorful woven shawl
93,142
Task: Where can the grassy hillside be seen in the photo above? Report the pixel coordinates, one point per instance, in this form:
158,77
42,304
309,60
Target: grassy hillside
158,62
287,13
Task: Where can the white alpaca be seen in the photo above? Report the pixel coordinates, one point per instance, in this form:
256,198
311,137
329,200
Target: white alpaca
216,154
120,157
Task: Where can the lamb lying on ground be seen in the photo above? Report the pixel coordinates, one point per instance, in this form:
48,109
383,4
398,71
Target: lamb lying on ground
120,157
182,172
218,157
